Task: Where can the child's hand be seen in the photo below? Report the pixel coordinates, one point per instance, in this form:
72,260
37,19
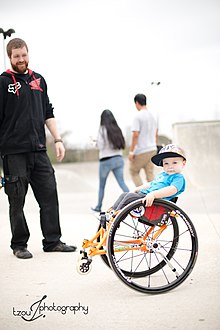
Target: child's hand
142,187
148,199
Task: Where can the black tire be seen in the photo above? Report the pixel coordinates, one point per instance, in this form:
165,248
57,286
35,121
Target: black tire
170,257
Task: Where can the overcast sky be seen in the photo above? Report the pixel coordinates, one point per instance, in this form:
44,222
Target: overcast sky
97,54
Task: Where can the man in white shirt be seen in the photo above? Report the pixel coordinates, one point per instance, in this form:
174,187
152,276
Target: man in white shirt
143,143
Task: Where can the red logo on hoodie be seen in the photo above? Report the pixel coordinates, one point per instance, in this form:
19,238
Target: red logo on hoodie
35,84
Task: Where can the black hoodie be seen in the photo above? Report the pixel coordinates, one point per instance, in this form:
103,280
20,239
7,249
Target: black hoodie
24,107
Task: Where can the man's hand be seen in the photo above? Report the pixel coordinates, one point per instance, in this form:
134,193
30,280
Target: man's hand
59,147
60,151
131,156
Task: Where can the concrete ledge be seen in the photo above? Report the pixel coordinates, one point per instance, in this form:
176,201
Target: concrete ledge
201,141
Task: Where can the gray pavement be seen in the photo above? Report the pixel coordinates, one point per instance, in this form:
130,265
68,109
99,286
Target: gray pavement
99,300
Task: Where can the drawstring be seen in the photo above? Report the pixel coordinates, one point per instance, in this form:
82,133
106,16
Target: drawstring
37,81
15,82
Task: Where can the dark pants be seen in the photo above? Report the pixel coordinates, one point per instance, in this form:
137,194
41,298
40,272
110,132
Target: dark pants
32,168
126,198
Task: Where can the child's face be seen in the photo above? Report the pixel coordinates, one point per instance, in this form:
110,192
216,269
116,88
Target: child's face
173,165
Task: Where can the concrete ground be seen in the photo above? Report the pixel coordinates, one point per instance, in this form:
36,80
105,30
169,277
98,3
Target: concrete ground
99,300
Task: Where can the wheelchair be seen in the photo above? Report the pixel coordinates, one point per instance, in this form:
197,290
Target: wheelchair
150,249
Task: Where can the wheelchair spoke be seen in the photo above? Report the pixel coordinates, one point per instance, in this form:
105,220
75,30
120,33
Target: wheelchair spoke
169,264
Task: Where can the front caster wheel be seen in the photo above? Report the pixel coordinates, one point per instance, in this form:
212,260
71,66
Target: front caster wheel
84,265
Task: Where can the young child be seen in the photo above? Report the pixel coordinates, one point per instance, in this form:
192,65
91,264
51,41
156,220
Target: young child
167,185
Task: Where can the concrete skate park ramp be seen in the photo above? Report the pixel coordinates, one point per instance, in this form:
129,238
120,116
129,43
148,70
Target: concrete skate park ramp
201,142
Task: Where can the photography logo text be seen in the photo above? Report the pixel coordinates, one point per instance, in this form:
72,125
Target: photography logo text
40,308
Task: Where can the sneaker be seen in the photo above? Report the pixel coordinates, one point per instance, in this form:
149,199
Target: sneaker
138,212
96,209
63,247
22,253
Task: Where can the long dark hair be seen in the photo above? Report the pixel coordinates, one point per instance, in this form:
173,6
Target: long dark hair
114,132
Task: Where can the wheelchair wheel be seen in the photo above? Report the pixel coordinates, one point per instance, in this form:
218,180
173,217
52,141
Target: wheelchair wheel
154,249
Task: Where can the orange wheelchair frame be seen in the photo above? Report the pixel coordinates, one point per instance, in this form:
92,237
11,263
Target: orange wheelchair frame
150,249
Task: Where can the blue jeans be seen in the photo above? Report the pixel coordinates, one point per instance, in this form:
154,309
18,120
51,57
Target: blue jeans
116,165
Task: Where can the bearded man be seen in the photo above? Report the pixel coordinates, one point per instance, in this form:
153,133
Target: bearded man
25,109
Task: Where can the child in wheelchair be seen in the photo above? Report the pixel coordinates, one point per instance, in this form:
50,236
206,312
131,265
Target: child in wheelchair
167,185
151,249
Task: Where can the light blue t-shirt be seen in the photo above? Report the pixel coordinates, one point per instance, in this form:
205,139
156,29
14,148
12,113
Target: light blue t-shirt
163,180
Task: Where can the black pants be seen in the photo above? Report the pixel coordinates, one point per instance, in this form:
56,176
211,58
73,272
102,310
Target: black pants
35,169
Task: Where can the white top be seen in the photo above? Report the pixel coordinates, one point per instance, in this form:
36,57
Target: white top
145,123
105,147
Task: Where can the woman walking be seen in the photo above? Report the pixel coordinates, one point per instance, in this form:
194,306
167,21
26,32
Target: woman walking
110,142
